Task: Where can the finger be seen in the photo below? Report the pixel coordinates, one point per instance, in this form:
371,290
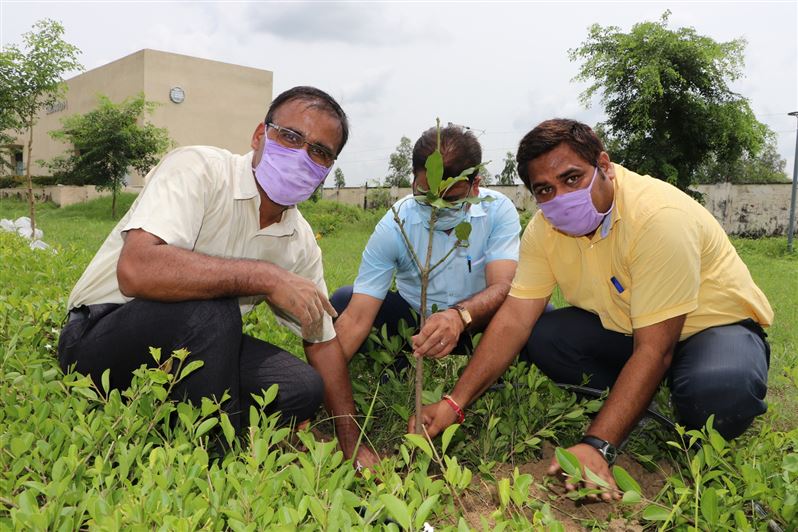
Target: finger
554,467
433,344
445,350
327,306
411,424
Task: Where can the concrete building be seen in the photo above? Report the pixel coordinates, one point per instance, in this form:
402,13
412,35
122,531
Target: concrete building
201,102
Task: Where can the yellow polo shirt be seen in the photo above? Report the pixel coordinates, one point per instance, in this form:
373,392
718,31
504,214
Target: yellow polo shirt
659,254
205,199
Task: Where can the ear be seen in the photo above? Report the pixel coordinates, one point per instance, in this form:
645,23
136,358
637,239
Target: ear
257,136
475,185
606,165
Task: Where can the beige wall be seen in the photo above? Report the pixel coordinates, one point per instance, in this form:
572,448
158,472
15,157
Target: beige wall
752,210
222,107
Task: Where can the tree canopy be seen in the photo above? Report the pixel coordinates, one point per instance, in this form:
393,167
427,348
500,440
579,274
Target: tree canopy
509,173
31,79
400,165
667,98
340,182
108,141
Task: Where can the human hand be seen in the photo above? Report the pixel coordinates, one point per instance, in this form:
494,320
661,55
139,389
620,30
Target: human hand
366,457
591,458
435,417
439,335
301,299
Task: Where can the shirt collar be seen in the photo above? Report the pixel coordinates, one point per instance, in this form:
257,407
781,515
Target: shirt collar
287,225
244,183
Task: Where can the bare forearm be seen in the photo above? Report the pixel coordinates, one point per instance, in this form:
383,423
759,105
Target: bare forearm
351,333
506,334
168,273
329,361
483,305
630,395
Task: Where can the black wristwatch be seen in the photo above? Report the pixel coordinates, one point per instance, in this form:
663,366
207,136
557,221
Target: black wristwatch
607,450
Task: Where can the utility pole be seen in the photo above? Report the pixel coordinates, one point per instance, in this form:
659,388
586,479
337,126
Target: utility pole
791,227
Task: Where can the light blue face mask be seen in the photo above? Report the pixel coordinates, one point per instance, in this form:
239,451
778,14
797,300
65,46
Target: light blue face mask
447,219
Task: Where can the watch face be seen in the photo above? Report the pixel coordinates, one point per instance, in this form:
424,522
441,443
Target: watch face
177,95
610,453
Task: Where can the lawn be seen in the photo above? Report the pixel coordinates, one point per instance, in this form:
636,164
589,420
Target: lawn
74,455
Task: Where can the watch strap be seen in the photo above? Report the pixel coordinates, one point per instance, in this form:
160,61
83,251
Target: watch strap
607,450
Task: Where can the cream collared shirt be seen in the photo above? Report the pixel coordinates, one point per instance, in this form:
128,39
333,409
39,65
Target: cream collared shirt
205,199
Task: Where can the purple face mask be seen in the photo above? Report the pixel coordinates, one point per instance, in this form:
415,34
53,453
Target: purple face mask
288,175
574,213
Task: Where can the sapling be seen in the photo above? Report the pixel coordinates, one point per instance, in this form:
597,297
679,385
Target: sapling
434,196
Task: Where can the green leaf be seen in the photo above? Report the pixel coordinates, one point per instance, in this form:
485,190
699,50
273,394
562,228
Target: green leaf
569,463
434,166
424,510
190,367
462,231
709,505
206,425
227,428
106,380
653,512
594,478
503,487
420,442
447,436
624,480
631,497
397,509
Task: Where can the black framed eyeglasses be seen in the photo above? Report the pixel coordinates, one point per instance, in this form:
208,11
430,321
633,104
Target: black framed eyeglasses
292,139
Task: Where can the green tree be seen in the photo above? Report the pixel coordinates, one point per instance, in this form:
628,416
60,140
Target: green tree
509,173
767,167
667,98
340,182
108,141
487,177
400,165
31,79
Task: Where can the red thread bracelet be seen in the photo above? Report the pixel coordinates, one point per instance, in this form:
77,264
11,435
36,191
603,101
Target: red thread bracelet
455,407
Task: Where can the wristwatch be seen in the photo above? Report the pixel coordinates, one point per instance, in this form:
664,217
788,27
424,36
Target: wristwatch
607,450
465,316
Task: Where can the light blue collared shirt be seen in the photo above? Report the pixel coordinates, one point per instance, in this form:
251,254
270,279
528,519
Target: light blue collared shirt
494,236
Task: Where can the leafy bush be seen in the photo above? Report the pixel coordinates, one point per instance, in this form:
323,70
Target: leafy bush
75,456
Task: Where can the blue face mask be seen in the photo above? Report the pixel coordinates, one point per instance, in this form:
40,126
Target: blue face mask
447,219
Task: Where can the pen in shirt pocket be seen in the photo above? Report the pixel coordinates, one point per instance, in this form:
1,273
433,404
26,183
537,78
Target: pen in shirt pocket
617,284
468,261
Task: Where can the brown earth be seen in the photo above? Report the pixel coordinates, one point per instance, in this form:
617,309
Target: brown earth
482,499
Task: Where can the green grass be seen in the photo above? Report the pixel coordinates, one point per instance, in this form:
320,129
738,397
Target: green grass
73,456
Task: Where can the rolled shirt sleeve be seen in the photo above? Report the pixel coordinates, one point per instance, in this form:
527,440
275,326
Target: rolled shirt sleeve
176,197
503,241
534,278
379,260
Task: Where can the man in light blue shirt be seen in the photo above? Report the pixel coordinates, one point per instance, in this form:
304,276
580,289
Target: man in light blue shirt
466,289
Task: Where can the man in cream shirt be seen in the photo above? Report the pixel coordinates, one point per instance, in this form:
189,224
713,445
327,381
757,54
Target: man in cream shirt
211,235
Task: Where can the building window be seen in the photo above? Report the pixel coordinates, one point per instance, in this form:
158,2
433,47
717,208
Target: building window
19,166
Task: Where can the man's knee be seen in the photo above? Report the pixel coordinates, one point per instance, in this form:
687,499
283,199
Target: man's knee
735,396
302,398
341,298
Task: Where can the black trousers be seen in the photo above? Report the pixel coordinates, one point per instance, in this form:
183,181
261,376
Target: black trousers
99,337
721,370
394,308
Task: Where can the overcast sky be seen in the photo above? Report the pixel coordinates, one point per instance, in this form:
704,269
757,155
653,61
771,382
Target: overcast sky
498,68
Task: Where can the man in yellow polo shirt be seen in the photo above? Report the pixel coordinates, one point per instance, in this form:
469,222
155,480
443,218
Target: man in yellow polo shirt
655,287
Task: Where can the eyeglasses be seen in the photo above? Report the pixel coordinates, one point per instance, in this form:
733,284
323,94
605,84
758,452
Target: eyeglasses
291,139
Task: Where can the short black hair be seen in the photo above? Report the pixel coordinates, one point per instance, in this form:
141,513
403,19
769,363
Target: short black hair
551,133
459,147
316,98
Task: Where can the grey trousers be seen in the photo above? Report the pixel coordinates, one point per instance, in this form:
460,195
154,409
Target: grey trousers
721,370
99,337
